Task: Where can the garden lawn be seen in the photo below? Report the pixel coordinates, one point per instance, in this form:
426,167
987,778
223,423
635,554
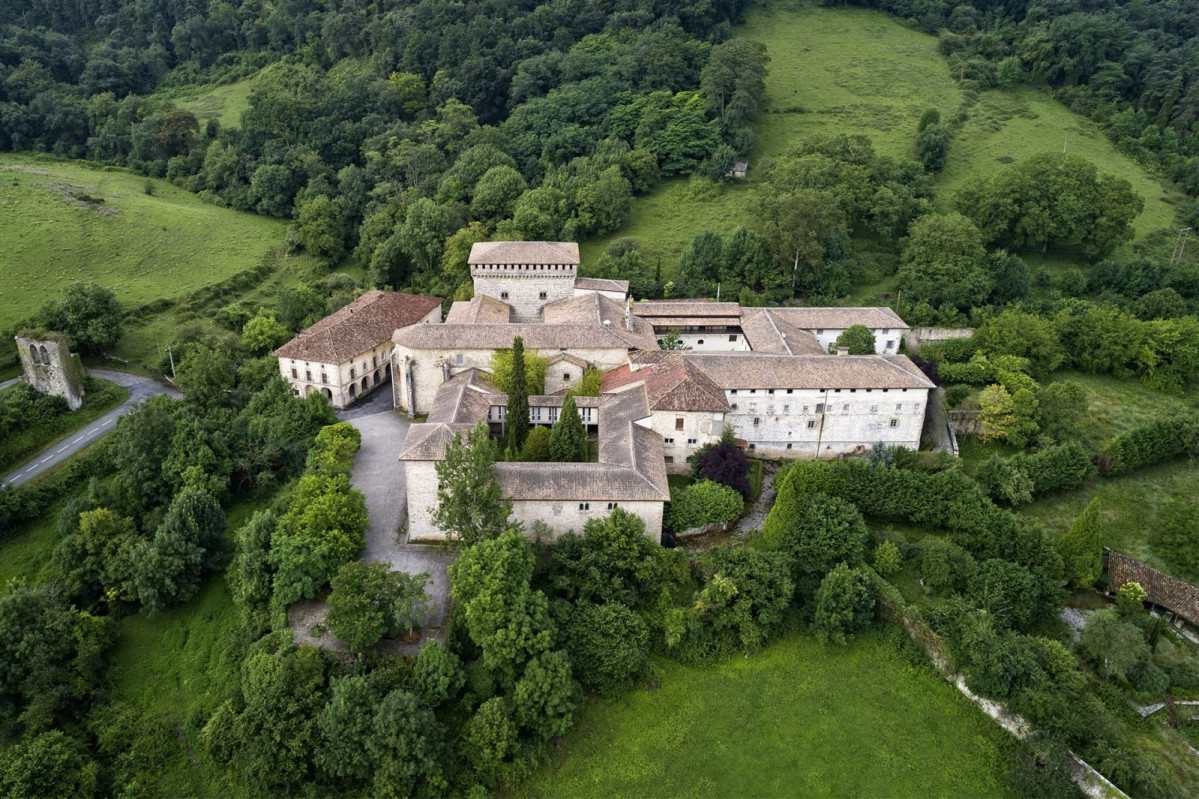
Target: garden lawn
100,398
160,245
797,719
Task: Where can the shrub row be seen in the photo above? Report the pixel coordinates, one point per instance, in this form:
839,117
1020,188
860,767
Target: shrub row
26,503
1027,475
703,502
1149,444
947,500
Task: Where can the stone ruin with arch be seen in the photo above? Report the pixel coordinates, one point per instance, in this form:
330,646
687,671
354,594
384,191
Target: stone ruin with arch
50,367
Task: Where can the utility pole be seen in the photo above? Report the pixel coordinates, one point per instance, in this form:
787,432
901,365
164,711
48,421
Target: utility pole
1180,245
172,356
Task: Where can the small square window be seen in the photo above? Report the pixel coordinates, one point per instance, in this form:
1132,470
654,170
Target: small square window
669,459
566,376
885,330
584,506
786,409
668,440
700,341
751,447
891,344
613,505
733,337
917,406
811,424
733,406
820,331
819,407
757,421
790,391
688,459
734,391
541,295
874,409
503,295
895,423
691,441
899,406
678,423
845,408
807,409
770,391
788,445
459,359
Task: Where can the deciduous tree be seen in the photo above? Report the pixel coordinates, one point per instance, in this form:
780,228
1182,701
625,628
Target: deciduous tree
471,505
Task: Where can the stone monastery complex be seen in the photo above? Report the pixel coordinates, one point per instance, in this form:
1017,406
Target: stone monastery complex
765,372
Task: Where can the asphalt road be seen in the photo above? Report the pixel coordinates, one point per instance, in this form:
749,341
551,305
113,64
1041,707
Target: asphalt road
140,389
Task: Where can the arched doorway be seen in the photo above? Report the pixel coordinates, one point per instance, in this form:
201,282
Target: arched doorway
353,389
45,354
328,394
308,390
33,356
365,384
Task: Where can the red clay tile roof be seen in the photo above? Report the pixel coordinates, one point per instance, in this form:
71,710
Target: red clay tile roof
360,326
671,384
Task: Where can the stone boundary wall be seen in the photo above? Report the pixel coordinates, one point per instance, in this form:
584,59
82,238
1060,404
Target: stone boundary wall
918,336
1090,781
1160,588
964,423
706,529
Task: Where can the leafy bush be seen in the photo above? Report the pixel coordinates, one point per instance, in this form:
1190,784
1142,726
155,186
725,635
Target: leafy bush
944,566
843,604
703,502
612,561
369,601
1149,444
744,597
608,645
824,532
725,463
1025,476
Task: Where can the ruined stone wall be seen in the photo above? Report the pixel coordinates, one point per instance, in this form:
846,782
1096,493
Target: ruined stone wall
1160,588
51,368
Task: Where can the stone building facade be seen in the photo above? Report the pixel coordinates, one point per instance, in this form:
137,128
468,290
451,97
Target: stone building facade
526,276
51,368
346,355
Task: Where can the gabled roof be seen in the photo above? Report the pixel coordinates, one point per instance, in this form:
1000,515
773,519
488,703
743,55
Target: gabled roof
524,252
765,331
671,384
664,309
361,326
479,310
601,284
838,318
745,370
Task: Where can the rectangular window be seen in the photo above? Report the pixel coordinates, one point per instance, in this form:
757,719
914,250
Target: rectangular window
891,344
459,359
324,377
788,445
733,406
566,377
786,409
734,392
692,441
668,440
294,376
688,459
353,373
819,407
820,331
752,447
733,337
895,423
756,421
700,341
885,330
669,459
917,406
874,409
584,506
807,409
790,391
845,408
308,376
541,295
613,505
811,424
770,391
503,295
678,423
899,406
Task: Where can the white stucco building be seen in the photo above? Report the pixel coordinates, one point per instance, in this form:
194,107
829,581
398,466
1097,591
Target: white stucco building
347,354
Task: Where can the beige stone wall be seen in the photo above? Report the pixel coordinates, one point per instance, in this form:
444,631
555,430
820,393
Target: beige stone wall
420,478
562,375
886,339
51,369
790,425
699,428
527,287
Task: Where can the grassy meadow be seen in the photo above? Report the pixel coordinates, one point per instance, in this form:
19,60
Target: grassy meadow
860,71
225,103
797,719
142,246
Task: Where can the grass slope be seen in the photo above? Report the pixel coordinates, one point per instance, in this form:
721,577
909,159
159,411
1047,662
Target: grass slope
798,719
859,71
225,104
160,245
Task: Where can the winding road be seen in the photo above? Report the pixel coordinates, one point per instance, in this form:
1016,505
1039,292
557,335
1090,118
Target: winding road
140,389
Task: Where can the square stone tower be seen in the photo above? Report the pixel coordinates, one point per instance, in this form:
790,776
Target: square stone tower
527,275
51,368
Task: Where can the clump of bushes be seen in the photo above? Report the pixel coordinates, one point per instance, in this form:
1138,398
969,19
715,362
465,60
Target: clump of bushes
1024,477
703,502
1149,444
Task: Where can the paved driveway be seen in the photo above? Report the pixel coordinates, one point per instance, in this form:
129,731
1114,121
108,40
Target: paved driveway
380,476
140,388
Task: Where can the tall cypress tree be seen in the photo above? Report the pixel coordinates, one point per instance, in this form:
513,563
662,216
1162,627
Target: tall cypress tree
517,417
568,439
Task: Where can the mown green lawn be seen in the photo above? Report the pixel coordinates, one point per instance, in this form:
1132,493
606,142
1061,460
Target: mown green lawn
797,719
161,245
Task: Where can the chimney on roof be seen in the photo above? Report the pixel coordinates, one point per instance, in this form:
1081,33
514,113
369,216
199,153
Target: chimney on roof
628,315
842,350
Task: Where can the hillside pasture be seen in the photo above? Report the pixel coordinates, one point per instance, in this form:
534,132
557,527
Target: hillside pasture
796,719
65,221
225,103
